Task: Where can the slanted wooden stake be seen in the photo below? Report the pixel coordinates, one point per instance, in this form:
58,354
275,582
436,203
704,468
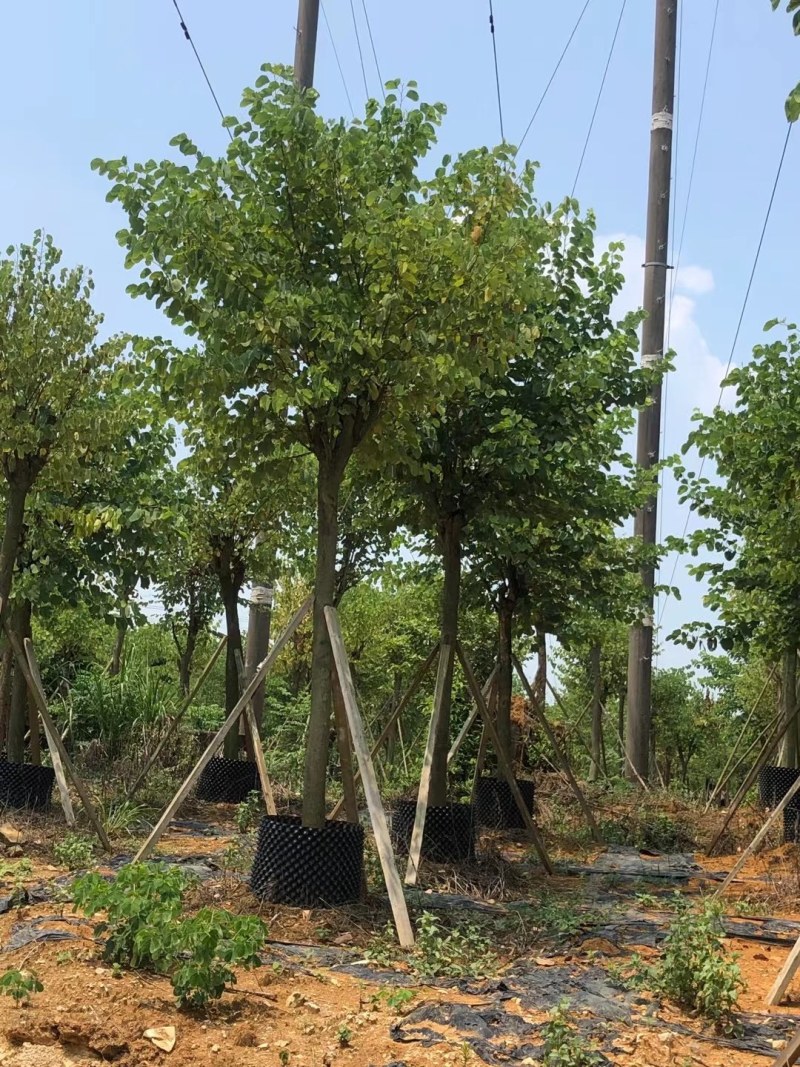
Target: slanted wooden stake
53,735
242,703
789,1056
377,815
415,846
502,760
762,833
473,715
58,766
258,758
178,716
345,750
559,753
394,717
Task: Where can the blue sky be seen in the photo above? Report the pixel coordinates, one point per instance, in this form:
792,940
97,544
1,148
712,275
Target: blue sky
106,79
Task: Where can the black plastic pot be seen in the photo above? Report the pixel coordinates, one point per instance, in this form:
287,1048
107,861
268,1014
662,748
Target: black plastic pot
307,866
774,783
25,785
449,835
791,823
495,805
227,781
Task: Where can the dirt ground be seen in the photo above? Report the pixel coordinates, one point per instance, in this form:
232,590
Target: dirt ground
315,1001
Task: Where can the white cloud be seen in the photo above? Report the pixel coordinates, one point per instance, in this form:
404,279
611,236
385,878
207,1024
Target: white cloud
693,279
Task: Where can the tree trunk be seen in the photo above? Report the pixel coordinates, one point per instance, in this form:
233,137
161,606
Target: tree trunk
505,671
186,657
119,640
6,679
450,530
229,591
540,681
788,757
391,737
318,737
596,678
18,720
9,547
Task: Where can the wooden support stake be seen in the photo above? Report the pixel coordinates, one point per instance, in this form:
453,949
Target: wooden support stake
762,833
473,715
415,846
58,766
260,672
502,760
560,755
345,750
377,815
480,759
54,736
258,758
789,1056
781,984
178,716
395,716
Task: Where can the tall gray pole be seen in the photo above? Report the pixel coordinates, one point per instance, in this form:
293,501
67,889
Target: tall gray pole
640,650
258,625
305,49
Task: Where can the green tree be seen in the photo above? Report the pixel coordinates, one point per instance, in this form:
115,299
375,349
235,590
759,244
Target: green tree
751,518
54,379
330,289
531,446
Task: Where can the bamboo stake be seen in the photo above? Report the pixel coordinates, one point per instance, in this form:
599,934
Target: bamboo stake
377,815
345,750
394,717
502,760
558,752
261,671
258,758
473,715
178,716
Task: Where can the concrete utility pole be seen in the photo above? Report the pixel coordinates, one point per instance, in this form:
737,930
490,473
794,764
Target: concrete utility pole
640,651
305,49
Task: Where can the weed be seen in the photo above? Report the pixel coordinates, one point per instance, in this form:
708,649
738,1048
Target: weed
15,870
74,851
248,812
144,929
563,1046
747,906
694,970
460,952
398,999
19,985
283,1057
125,817
344,1035
64,957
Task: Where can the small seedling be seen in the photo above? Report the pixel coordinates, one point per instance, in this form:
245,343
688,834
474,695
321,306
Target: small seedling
248,811
19,985
563,1046
64,957
344,1035
283,1057
74,851
398,998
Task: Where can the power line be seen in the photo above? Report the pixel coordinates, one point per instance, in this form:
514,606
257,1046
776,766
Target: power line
599,97
496,70
372,46
188,37
336,57
745,302
360,53
553,75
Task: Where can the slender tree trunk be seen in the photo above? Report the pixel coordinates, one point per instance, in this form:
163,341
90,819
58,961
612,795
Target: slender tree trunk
621,729
186,657
597,712
540,681
6,679
318,737
229,591
788,757
119,645
505,671
9,546
450,529
391,737
18,720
